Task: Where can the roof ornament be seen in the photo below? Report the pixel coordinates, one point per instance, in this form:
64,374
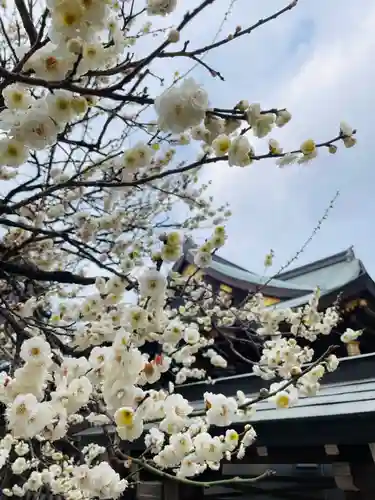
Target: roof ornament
188,244
350,253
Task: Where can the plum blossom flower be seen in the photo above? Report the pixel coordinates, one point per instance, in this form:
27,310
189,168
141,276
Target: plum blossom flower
240,152
152,284
181,107
160,7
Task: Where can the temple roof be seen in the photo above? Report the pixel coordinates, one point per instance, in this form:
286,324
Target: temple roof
239,277
253,278
333,275
294,287
353,397
352,368
326,273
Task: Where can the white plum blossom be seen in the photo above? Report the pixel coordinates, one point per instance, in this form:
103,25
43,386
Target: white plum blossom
13,153
160,7
59,106
219,361
191,335
350,335
182,106
240,152
221,144
36,351
16,96
231,439
129,425
202,259
221,410
37,130
152,284
49,64
208,448
249,436
332,363
264,125
285,397
155,440
283,117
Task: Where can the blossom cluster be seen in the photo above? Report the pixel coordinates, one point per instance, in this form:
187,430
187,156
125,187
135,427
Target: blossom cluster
33,122
47,396
57,473
184,108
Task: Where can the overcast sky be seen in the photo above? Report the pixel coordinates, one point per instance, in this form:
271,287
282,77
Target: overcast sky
318,61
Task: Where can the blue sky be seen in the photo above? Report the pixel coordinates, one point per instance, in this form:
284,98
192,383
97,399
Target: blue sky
317,61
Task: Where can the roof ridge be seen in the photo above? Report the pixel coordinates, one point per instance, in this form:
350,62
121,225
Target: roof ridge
345,255
227,262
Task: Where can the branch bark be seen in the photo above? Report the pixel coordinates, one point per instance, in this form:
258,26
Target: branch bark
191,482
40,275
26,21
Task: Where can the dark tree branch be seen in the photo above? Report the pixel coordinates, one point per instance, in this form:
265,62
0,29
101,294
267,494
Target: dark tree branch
32,272
26,21
237,34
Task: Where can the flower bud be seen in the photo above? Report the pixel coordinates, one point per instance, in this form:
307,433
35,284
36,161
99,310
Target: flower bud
174,36
283,117
295,371
156,257
263,393
242,105
74,46
349,142
308,147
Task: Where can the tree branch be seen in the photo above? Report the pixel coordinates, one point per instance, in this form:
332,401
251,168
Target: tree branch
40,275
26,21
192,54
191,482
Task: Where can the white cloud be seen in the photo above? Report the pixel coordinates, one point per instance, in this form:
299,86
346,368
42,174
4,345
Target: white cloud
328,77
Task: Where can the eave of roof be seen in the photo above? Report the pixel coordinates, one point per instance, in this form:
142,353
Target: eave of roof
246,280
347,290
346,393
333,399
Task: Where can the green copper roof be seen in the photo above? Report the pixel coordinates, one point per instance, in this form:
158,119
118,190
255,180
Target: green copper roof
256,279
294,287
329,273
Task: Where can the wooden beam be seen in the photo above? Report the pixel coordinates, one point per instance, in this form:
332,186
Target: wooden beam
243,469
353,495
298,455
267,490
187,492
170,490
150,490
331,450
372,450
364,478
343,476
262,451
